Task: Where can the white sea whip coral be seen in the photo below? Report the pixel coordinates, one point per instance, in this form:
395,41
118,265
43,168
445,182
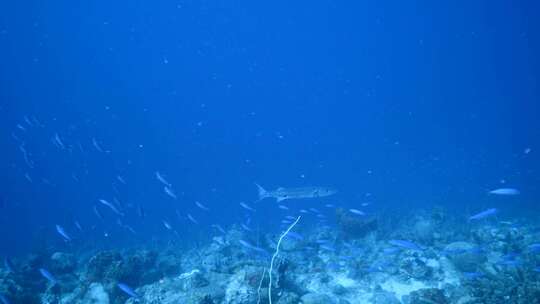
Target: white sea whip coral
260,284
274,257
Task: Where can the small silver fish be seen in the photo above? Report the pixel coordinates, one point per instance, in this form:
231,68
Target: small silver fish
281,194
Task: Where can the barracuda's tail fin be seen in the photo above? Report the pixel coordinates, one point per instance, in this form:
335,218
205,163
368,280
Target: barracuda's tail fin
262,193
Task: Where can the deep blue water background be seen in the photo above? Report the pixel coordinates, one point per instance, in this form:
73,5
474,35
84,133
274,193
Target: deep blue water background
407,105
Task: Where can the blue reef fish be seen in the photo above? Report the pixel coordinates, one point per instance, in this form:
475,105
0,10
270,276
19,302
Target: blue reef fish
20,127
473,275
245,206
510,256
390,250
78,225
246,227
327,247
376,267
97,146
218,227
510,263
483,214
47,275
334,266
97,213
201,206
111,206
505,191
534,247
252,247
162,179
167,225
450,252
170,192
27,121
63,233
192,219
4,300
323,241
26,156
357,212
121,179
58,142
127,290
405,244
295,235
8,265
130,229
28,178
140,212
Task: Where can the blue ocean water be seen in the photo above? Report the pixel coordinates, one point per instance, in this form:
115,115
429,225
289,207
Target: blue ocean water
399,106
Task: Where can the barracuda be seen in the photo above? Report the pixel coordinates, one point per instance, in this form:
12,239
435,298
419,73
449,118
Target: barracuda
281,194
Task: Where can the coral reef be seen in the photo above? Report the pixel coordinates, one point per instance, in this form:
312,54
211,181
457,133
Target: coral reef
354,226
487,262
